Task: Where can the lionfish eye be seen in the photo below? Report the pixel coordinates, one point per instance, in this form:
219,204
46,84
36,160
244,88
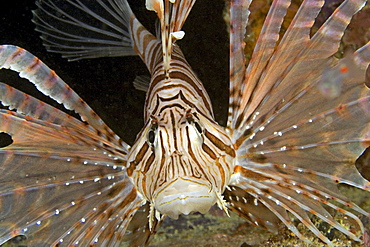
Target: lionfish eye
151,136
197,126
191,120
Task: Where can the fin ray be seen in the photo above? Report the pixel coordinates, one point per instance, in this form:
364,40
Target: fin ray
84,32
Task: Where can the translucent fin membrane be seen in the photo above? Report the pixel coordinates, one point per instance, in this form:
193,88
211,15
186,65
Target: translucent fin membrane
299,120
65,181
289,65
249,208
87,29
284,188
239,14
138,232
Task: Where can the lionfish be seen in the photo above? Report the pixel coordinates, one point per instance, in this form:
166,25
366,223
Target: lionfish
287,145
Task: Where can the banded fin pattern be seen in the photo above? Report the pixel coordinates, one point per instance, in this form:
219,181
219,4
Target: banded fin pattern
293,140
269,85
139,233
239,13
50,84
73,179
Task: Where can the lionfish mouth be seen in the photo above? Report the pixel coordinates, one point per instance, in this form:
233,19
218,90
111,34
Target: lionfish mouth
184,196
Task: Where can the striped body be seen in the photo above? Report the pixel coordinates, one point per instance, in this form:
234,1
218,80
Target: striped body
288,142
182,160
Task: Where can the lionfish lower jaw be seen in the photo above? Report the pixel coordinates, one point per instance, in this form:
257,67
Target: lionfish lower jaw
184,196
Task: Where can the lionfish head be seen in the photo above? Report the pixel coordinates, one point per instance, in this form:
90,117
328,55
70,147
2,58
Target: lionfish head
181,162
